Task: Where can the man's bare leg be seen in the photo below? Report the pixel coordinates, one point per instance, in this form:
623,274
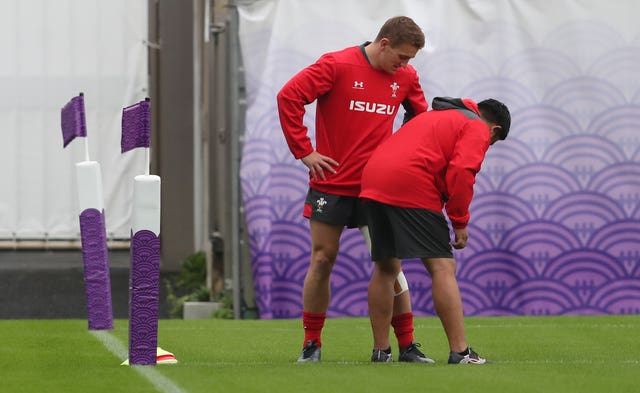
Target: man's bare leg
316,290
381,300
447,300
325,241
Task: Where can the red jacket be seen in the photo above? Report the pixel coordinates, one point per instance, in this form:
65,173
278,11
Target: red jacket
431,160
356,108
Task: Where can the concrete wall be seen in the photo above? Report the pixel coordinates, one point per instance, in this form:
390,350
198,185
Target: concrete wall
171,68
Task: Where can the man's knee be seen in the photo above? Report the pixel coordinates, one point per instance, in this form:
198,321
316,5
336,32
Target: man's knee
439,266
322,262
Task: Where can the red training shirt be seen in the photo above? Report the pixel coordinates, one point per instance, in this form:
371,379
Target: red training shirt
356,108
431,160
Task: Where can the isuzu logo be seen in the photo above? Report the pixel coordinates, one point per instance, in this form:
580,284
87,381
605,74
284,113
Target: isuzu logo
372,107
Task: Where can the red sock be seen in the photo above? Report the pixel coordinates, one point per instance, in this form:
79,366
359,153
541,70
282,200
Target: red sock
313,324
403,329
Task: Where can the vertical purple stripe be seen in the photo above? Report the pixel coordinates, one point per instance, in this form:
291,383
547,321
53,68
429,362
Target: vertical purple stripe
96,269
72,119
136,126
144,291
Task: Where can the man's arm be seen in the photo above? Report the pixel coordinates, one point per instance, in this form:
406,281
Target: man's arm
415,102
465,163
307,85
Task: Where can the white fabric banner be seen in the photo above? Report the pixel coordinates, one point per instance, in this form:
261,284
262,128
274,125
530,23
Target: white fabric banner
51,51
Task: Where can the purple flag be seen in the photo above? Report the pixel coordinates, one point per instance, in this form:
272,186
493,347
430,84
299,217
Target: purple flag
73,120
136,126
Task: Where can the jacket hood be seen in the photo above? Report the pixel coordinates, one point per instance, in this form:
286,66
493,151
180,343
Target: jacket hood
462,104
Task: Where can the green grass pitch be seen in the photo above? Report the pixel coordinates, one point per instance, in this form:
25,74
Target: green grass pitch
530,354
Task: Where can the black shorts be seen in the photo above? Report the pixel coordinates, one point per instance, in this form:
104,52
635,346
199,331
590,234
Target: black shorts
406,232
334,209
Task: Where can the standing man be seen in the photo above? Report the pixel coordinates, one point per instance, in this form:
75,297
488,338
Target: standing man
358,92
427,165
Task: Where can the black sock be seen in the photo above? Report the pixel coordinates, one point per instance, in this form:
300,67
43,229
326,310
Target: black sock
464,353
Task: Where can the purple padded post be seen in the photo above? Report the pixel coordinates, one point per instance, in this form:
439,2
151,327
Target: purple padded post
96,269
144,290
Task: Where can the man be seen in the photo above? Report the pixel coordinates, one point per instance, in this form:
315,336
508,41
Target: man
358,92
428,164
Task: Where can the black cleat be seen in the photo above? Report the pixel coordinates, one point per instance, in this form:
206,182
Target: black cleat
382,356
310,353
413,355
470,358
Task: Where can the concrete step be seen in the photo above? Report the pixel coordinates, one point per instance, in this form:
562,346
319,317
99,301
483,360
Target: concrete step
50,285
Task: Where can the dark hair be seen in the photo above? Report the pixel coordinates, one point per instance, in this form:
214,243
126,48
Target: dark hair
496,112
401,30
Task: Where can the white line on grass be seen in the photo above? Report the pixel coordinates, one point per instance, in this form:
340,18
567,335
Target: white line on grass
161,383
539,325
293,364
565,361
437,326
360,363
558,325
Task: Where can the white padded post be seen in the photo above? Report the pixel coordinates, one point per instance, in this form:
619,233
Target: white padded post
146,204
89,185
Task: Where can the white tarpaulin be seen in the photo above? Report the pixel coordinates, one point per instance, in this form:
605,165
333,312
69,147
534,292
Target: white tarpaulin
51,51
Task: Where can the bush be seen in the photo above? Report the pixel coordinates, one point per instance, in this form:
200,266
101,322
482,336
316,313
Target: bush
226,306
189,286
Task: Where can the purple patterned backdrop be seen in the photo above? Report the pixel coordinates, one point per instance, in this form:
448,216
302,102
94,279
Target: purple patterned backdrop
555,223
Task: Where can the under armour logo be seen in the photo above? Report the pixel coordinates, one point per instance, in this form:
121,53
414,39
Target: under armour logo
358,85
